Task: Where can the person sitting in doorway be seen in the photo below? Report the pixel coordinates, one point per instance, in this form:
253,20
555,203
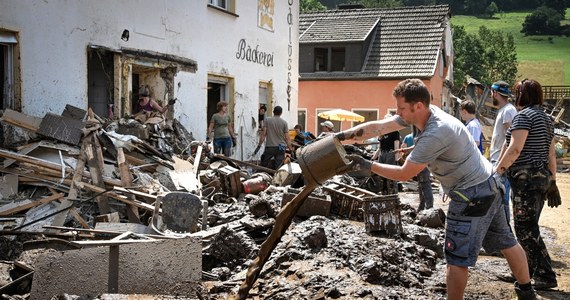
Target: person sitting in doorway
146,104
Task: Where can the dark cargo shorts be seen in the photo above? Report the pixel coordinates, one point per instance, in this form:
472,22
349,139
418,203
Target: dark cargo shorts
476,218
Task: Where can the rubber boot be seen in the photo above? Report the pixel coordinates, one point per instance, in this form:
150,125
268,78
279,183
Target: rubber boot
526,294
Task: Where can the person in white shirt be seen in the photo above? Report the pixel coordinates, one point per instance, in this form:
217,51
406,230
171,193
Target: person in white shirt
507,111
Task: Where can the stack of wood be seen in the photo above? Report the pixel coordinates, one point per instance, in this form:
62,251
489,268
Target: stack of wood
83,174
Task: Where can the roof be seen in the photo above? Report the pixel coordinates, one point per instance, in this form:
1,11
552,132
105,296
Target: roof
330,30
405,41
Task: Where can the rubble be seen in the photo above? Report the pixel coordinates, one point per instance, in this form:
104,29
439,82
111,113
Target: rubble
117,193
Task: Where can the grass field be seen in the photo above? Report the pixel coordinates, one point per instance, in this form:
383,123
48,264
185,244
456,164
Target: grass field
544,58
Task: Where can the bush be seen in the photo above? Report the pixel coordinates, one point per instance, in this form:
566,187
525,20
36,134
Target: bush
492,9
543,21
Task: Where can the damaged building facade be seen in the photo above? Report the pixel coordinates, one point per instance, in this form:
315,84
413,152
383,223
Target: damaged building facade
97,54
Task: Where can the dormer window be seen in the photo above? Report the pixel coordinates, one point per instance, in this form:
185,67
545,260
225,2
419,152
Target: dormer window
321,59
330,59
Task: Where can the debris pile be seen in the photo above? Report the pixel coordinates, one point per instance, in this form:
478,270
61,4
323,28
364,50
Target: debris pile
159,194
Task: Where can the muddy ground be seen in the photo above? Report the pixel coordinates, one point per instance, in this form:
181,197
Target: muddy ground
335,258
331,258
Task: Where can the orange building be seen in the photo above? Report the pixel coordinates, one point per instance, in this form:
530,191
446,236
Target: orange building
353,58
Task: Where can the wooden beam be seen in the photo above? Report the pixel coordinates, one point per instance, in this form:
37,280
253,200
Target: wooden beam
49,165
73,192
127,181
116,196
21,120
92,158
27,206
237,161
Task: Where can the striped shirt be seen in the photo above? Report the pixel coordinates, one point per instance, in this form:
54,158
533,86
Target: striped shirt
540,133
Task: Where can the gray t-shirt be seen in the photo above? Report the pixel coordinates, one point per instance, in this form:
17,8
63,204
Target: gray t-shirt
450,152
504,115
276,130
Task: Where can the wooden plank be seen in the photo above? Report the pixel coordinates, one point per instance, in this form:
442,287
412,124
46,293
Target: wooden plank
116,196
92,159
21,120
32,204
110,242
260,168
73,192
127,181
104,232
47,164
79,218
135,192
24,150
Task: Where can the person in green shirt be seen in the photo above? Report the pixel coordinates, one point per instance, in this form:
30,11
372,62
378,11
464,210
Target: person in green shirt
222,129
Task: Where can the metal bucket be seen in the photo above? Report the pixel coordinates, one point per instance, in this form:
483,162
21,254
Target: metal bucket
322,159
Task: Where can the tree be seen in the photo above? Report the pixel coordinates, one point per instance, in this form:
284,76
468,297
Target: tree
467,57
475,7
557,5
543,21
492,9
310,5
487,56
500,56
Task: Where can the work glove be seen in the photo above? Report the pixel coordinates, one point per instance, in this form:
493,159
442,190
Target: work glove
360,164
172,101
553,195
256,150
234,141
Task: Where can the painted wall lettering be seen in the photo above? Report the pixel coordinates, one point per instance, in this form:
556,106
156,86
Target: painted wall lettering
289,53
245,52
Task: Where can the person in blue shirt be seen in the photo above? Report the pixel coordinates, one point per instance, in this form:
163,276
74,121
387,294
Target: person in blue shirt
302,138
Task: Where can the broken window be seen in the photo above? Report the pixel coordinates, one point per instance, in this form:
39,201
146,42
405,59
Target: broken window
8,43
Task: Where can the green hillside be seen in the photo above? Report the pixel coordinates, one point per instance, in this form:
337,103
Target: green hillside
544,58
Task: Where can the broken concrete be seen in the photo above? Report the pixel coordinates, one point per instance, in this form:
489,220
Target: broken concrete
172,267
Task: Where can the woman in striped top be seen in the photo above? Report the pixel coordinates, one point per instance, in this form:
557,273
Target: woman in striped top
528,159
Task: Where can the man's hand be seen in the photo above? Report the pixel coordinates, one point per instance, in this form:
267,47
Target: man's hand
358,163
553,195
256,150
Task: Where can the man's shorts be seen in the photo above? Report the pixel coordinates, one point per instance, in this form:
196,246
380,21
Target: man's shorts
476,218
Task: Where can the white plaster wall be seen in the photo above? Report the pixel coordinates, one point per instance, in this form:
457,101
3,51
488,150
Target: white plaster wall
54,36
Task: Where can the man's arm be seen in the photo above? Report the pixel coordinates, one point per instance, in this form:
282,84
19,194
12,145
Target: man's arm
399,173
371,129
287,140
513,151
262,136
